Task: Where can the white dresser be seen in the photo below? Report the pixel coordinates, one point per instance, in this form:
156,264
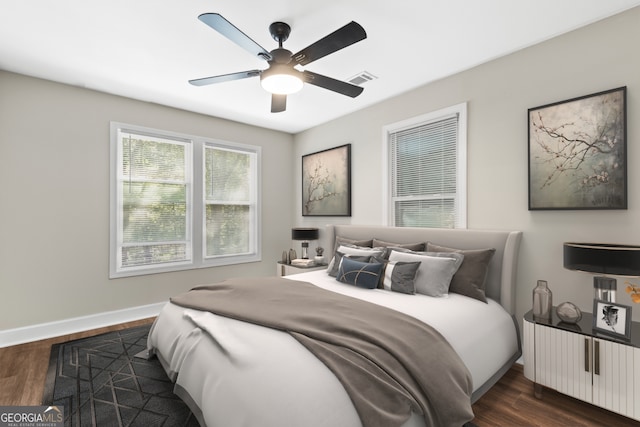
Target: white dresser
577,361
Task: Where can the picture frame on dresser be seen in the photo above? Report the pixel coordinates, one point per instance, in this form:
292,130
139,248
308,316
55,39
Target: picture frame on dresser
612,319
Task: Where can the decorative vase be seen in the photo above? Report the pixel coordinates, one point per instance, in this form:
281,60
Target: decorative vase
542,301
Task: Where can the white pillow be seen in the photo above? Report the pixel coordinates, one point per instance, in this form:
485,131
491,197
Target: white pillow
434,274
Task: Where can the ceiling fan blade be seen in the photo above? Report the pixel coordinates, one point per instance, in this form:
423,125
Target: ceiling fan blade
341,38
230,31
278,103
224,78
325,82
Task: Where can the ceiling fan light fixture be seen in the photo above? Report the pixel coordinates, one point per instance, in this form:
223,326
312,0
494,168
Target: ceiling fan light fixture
281,80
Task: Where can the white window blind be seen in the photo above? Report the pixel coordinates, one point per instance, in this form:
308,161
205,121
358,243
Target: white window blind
426,183
153,192
229,201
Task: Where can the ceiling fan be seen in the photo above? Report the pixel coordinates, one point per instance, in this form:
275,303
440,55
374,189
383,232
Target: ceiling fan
281,77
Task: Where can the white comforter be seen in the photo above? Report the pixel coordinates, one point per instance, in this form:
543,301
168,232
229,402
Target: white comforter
240,374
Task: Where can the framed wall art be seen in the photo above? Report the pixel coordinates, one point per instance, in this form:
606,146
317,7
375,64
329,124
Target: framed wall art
578,153
612,319
326,182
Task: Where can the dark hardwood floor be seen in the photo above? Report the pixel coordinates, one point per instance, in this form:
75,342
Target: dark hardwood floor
510,403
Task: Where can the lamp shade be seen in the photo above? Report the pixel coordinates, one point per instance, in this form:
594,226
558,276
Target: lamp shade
304,234
616,260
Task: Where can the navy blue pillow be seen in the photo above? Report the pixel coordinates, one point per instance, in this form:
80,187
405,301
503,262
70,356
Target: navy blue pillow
361,274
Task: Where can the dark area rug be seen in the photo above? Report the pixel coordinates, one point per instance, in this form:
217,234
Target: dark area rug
101,382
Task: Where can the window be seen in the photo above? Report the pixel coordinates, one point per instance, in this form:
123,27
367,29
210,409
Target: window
180,202
426,167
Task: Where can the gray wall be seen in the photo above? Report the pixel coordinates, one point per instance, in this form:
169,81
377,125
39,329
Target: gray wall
54,170
598,57
54,220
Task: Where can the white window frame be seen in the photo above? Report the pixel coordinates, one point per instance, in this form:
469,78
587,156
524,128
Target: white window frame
195,204
461,160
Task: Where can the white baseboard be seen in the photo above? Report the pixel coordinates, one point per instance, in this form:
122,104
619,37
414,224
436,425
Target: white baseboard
41,331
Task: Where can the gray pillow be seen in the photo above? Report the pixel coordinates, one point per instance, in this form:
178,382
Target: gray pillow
400,276
435,272
346,241
411,246
470,279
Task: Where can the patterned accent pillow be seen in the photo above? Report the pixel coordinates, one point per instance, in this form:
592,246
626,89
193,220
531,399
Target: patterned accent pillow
361,274
337,259
400,276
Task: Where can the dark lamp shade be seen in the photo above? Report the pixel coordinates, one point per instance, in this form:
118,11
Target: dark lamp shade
615,260
304,234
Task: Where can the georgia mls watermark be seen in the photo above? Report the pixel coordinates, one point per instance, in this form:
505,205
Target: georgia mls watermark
31,416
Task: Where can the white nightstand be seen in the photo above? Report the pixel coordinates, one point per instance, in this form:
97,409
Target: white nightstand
287,269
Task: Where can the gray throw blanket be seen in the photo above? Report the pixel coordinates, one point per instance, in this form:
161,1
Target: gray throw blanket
389,363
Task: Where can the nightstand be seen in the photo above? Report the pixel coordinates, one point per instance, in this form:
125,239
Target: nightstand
287,269
582,363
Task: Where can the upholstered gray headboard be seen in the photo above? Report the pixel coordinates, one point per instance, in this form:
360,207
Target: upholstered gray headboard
501,277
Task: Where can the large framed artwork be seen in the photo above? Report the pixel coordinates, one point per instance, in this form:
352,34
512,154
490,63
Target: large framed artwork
326,182
578,153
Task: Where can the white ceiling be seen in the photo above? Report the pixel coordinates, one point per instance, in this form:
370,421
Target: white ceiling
149,49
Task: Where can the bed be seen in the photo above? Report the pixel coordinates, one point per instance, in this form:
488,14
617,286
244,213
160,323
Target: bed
240,373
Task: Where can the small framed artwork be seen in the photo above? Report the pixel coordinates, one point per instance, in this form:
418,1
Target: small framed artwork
578,153
612,319
326,182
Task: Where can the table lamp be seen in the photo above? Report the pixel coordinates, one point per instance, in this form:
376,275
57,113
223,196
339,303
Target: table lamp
603,259
304,234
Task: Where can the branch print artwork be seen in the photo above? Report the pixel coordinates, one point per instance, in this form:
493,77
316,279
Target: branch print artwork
577,153
326,182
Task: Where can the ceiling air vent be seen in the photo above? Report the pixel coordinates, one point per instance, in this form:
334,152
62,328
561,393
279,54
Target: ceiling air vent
362,78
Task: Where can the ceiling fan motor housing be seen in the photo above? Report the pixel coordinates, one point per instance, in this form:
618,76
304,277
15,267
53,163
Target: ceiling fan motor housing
281,56
280,32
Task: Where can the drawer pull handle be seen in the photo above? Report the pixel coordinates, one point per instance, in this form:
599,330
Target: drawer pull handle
596,357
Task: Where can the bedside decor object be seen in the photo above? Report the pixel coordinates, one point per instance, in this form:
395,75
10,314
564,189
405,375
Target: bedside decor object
612,319
609,259
304,234
633,291
542,301
569,312
319,259
326,182
578,153
303,262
